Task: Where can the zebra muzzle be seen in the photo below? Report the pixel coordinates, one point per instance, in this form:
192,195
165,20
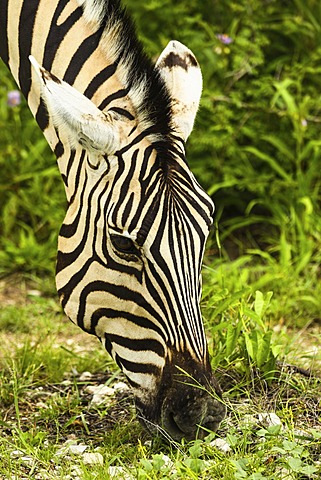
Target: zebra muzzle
185,405
191,412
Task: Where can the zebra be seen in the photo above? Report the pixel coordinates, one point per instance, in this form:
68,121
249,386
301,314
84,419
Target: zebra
132,242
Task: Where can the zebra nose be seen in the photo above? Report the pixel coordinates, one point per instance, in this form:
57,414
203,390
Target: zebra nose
195,420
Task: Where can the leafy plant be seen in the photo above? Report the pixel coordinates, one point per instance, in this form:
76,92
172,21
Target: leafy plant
241,332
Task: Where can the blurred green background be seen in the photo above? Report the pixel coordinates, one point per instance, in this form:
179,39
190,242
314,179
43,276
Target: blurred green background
256,148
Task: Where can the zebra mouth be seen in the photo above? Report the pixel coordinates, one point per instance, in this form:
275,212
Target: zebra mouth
184,413
193,421
183,405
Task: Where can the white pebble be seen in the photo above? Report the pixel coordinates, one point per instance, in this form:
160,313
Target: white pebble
34,293
66,383
99,393
269,419
77,449
93,458
85,376
16,453
100,390
121,386
221,445
42,405
168,461
265,419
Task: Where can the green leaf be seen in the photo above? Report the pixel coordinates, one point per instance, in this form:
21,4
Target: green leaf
280,145
294,463
261,304
263,348
241,466
270,161
232,335
309,470
251,345
282,91
146,464
196,449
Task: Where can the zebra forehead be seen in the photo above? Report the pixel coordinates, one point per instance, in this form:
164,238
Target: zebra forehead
165,204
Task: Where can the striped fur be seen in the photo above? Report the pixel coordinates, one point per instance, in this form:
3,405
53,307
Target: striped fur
131,246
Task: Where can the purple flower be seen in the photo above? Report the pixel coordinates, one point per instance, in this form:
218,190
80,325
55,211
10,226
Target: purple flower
13,98
224,38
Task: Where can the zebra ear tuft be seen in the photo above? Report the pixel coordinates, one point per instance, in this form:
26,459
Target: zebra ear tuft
182,75
71,111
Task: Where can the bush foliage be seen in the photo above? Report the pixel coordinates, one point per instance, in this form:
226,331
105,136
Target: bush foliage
256,146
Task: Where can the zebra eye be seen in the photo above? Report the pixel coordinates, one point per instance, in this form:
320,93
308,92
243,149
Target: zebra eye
124,244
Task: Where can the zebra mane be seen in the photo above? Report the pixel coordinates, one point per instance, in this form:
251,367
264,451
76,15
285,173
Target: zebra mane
140,77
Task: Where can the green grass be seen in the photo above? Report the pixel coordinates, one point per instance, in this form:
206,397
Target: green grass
45,406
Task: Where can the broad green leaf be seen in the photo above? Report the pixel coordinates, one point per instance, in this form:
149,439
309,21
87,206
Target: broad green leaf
309,470
248,312
251,345
263,348
261,304
232,334
294,463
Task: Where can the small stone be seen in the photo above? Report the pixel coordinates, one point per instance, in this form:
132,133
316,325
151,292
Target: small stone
16,454
28,460
100,390
93,458
66,383
265,419
269,419
34,293
168,461
77,449
42,405
120,386
64,450
221,445
85,376
76,471
100,393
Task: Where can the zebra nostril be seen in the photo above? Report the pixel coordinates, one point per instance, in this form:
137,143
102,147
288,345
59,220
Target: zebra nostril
171,426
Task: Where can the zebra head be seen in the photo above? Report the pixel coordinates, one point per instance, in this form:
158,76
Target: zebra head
131,246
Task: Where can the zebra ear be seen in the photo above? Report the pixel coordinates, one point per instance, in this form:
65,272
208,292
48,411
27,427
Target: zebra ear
182,75
70,110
